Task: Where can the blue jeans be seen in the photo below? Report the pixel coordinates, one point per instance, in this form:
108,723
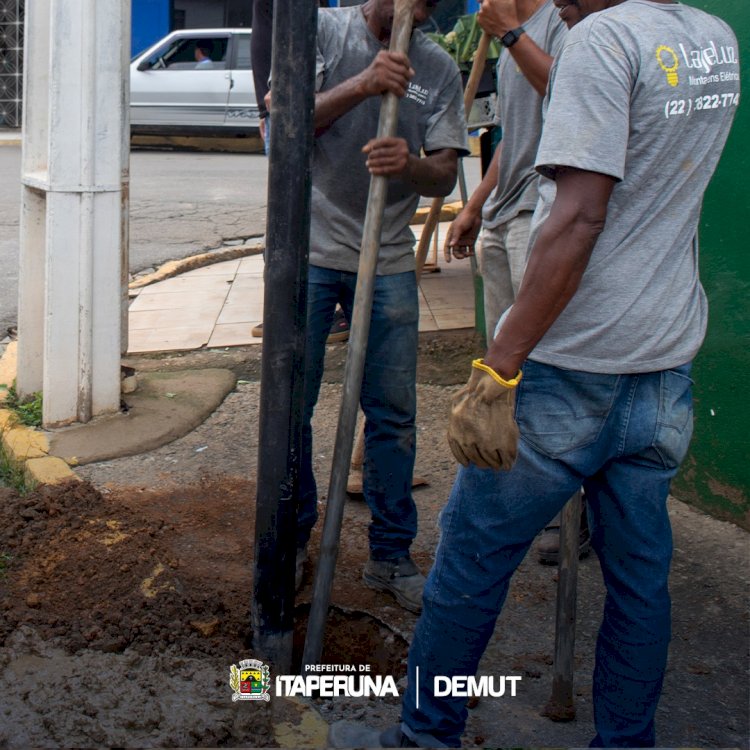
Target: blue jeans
388,399
620,436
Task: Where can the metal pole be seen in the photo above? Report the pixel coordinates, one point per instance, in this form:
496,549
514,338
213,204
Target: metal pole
284,322
355,361
561,706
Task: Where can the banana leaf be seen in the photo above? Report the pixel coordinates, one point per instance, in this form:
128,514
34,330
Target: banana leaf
461,43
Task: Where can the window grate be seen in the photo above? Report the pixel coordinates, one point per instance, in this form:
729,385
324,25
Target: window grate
11,62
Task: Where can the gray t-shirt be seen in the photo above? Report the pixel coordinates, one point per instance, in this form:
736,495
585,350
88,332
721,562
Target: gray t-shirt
644,92
519,113
430,117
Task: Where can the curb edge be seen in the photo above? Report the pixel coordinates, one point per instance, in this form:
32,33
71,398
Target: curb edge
176,267
27,448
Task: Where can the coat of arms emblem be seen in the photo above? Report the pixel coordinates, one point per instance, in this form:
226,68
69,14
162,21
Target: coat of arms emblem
250,681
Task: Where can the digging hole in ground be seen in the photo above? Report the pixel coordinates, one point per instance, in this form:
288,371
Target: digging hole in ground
354,638
170,569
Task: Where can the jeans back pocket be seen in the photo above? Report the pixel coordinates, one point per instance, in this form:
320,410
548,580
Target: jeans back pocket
674,427
559,411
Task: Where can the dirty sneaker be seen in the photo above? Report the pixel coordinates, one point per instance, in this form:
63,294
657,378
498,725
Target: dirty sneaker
354,734
399,577
339,328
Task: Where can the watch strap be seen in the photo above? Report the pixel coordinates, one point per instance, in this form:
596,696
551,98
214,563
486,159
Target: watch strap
511,37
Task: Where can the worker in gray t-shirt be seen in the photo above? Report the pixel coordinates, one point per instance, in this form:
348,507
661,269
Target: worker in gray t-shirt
607,320
504,202
532,34
354,67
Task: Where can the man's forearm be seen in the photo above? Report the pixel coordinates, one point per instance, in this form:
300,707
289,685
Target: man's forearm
433,175
331,104
388,72
489,182
497,18
533,61
556,265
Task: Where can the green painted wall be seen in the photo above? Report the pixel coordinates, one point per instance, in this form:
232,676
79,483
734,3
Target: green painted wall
716,474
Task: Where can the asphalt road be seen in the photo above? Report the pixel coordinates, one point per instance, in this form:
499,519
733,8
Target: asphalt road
181,203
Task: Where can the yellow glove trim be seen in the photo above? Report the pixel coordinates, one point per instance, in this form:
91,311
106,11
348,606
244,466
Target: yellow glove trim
479,364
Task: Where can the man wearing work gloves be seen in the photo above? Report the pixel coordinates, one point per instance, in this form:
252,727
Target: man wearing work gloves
532,34
608,318
354,67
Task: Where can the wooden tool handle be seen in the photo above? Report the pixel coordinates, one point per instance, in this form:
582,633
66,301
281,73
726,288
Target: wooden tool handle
470,92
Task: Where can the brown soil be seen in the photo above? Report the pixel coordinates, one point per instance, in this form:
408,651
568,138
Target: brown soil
123,610
139,570
444,359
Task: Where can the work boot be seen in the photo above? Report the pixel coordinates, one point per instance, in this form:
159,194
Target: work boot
548,544
399,577
299,567
354,734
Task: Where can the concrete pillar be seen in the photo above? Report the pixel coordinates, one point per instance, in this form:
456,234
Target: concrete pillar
74,207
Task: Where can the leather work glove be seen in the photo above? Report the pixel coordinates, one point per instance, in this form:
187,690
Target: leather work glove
482,429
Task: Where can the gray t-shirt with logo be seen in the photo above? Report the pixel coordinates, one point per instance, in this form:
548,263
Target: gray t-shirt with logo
644,92
430,117
519,113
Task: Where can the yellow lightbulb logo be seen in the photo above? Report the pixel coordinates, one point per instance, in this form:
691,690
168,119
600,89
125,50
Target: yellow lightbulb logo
670,70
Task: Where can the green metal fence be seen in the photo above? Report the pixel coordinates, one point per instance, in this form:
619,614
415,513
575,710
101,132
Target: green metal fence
716,474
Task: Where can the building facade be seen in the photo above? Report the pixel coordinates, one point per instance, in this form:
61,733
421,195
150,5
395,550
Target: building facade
152,19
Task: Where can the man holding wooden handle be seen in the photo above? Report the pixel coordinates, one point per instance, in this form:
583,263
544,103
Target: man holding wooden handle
354,68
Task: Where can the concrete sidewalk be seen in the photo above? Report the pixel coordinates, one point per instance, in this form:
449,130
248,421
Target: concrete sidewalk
213,306
218,305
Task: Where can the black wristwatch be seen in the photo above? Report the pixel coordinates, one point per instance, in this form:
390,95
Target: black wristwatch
509,39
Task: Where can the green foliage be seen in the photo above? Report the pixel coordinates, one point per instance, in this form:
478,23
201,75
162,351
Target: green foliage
461,43
12,475
28,410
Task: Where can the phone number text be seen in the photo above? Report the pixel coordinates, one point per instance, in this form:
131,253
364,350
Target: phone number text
677,107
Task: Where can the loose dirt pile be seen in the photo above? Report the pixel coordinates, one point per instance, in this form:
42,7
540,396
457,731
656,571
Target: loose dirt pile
109,572
124,611
151,571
